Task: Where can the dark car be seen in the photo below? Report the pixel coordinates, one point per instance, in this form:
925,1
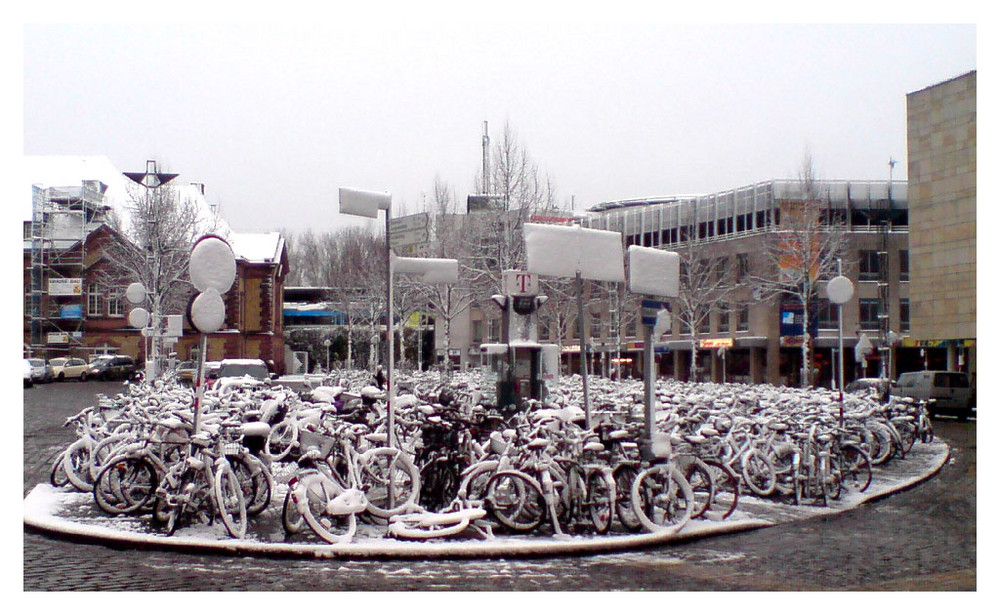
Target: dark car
241,368
119,367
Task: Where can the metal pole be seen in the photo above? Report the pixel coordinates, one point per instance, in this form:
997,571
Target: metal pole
200,381
389,333
581,325
648,384
840,351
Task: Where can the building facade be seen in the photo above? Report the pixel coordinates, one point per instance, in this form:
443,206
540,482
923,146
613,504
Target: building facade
941,152
70,309
745,338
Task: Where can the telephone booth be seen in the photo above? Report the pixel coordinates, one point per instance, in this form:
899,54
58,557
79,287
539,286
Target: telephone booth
519,372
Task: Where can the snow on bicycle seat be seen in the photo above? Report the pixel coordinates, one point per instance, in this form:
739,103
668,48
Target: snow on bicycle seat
538,443
255,428
593,447
376,438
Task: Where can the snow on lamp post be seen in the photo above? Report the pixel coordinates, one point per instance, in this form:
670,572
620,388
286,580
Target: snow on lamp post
655,274
212,270
575,252
840,290
366,203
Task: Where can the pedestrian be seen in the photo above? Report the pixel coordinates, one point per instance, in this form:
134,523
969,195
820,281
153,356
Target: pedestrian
380,378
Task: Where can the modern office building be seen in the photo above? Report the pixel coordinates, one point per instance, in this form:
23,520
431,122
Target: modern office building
941,160
746,338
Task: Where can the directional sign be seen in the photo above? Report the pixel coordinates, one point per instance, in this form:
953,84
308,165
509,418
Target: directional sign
650,309
409,230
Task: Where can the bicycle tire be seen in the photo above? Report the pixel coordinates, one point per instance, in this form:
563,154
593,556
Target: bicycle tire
570,480
855,468
229,502
255,480
76,464
421,526
907,436
472,490
125,485
516,501
291,519
281,439
726,496
392,481
833,484
699,476
312,494
600,503
759,473
662,498
57,475
883,448
438,484
624,476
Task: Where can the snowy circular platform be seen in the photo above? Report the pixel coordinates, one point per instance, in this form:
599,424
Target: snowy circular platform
72,514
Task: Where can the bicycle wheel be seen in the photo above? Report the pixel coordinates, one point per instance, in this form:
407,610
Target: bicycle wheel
516,501
624,476
472,489
662,498
699,477
391,481
229,500
291,519
423,526
76,465
281,439
189,502
570,481
907,436
882,447
809,489
600,503
438,484
255,481
759,473
125,486
726,496
855,468
57,475
312,494
831,476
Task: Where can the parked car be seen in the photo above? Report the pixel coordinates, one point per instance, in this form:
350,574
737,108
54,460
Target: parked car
239,368
186,371
40,370
119,367
68,367
27,374
946,392
881,386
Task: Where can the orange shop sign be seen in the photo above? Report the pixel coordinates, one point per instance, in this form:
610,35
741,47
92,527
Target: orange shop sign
720,342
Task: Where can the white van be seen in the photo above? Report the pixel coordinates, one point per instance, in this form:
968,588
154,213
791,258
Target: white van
950,391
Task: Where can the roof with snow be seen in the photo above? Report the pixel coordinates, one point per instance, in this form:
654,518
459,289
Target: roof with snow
71,171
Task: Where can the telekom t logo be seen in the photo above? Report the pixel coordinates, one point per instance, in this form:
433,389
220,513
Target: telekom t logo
523,281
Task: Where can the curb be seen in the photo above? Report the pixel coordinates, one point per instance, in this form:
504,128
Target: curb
63,514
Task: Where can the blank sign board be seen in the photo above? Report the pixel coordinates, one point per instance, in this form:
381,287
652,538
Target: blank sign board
363,202
564,251
653,272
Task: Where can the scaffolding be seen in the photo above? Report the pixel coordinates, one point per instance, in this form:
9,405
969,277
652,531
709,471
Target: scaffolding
61,218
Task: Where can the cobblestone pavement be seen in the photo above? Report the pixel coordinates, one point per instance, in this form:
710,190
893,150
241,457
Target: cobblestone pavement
921,539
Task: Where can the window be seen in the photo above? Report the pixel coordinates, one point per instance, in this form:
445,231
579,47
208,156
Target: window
115,305
704,321
904,314
95,301
723,319
826,314
477,331
868,318
868,265
904,265
743,319
742,267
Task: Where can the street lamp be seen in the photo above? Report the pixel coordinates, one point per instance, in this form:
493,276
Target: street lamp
327,343
840,290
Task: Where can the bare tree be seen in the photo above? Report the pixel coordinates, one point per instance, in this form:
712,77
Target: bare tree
801,249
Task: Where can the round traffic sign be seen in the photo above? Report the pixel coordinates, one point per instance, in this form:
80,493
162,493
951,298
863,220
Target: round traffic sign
135,293
212,265
138,318
207,312
839,290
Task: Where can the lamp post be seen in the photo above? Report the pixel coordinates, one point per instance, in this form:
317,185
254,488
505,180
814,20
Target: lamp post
327,343
840,290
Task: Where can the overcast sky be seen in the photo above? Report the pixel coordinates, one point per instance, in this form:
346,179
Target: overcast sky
274,118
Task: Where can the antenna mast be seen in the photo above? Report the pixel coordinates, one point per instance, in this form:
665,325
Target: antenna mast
486,158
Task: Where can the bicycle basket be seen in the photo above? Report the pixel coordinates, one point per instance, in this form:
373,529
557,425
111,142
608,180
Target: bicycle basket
316,441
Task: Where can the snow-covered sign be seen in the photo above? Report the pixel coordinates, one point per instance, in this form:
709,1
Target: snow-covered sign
212,265
653,272
363,202
565,251
207,312
432,270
